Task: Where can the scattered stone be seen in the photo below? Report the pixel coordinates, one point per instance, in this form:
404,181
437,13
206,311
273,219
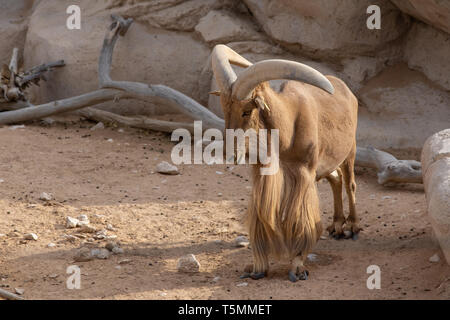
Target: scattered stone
69,237
118,267
21,126
242,284
188,263
100,253
47,121
51,245
98,126
125,261
241,241
167,168
312,257
434,258
53,276
83,255
117,250
110,140
219,172
323,237
83,218
2,235
31,236
45,196
19,291
216,279
1,180
386,197
220,194
87,229
100,235
111,245
71,222
121,130
110,227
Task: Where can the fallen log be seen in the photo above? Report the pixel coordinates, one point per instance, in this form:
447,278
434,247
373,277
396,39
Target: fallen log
390,169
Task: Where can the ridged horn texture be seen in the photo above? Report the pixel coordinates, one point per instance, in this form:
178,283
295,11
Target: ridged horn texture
221,58
277,69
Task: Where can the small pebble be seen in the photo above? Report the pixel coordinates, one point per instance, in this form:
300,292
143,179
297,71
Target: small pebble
83,255
31,236
19,291
434,258
45,196
100,253
167,168
242,284
188,263
98,126
241,241
71,222
51,245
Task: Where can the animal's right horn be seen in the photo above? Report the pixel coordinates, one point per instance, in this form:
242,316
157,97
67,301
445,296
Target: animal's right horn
221,58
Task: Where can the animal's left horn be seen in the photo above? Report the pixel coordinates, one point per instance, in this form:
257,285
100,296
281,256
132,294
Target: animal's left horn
221,58
278,69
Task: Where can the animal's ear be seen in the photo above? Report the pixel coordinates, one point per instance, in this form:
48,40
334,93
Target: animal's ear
261,103
215,93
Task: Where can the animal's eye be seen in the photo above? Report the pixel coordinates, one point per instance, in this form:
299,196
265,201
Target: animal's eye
246,113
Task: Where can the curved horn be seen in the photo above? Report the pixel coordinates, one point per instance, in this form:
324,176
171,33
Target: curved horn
221,58
278,69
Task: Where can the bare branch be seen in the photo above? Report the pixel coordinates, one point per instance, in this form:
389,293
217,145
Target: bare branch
390,169
142,91
60,106
9,296
135,122
13,65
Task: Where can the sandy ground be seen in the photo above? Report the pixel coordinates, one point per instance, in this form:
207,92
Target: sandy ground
158,218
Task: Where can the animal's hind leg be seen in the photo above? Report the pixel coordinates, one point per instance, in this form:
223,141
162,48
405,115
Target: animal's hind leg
259,244
350,187
335,180
298,270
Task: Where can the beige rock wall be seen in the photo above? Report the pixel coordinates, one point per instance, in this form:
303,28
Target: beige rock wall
432,12
400,73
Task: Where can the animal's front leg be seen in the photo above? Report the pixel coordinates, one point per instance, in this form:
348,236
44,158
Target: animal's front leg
298,270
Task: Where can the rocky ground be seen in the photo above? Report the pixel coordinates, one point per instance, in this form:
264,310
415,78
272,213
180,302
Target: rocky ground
109,176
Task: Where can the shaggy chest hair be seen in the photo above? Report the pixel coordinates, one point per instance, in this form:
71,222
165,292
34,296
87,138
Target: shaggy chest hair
283,214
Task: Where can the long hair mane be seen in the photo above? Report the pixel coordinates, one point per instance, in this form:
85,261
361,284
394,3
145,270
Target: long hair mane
283,214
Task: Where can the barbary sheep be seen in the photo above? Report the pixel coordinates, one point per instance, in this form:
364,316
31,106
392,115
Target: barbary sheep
317,118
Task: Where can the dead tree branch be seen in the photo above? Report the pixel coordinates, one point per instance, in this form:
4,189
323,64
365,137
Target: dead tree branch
9,296
117,89
390,169
142,91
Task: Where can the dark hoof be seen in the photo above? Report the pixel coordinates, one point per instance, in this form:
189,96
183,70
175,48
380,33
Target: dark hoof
293,277
257,275
253,275
355,236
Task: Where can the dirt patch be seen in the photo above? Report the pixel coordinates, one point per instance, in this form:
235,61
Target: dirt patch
158,218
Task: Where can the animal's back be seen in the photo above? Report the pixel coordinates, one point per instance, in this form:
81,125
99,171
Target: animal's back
336,121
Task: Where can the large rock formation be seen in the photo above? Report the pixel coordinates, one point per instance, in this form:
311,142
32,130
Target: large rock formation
436,177
326,28
428,50
400,108
401,73
433,12
13,26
